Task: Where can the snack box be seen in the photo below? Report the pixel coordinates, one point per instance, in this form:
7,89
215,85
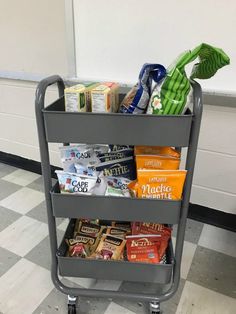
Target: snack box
105,97
78,97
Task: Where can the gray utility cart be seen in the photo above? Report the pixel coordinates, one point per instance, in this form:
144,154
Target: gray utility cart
57,126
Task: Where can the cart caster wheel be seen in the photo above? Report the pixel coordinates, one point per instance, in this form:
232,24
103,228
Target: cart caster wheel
155,308
71,304
71,309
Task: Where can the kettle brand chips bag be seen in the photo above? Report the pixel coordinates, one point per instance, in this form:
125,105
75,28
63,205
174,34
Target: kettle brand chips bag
124,167
157,162
172,95
143,248
136,100
161,184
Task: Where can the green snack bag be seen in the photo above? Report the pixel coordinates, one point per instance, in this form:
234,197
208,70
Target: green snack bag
173,95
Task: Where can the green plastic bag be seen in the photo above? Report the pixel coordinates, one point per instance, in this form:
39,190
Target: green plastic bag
173,94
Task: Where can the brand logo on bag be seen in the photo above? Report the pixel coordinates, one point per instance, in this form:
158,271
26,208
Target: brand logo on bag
81,186
116,170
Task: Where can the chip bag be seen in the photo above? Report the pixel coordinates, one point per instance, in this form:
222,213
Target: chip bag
123,225
74,183
109,248
88,228
136,100
117,232
143,248
150,228
133,187
117,186
157,162
173,95
161,184
156,150
124,167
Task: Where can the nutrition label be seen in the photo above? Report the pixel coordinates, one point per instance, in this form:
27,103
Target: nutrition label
98,102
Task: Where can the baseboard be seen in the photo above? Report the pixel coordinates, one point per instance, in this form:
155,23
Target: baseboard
197,212
24,163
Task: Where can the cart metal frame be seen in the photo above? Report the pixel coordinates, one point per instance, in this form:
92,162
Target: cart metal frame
44,138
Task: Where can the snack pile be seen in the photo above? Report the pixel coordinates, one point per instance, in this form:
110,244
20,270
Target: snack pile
142,171
96,169
134,242
158,91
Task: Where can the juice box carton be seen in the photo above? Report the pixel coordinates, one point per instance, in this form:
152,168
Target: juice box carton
78,97
105,97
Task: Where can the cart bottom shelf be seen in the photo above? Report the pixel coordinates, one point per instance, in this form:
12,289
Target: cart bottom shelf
113,270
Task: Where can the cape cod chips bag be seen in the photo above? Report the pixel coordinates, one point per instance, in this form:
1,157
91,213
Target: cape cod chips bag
117,186
161,184
74,183
137,99
173,94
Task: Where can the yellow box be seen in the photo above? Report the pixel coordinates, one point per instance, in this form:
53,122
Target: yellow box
105,97
78,97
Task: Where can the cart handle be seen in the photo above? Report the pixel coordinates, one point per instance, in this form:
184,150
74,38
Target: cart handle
42,87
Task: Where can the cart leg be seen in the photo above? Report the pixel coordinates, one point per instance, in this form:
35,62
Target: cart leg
71,304
154,308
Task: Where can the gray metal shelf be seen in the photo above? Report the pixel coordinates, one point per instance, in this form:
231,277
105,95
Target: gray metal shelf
56,125
113,270
117,128
114,208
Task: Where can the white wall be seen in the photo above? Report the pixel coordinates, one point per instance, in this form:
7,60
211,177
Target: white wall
33,43
18,133
115,38
32,36
215,173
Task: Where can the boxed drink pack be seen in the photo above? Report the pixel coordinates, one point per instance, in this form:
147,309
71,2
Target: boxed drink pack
78,97
105,97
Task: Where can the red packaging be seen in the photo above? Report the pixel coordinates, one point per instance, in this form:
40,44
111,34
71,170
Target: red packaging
143,248
135,227
150,228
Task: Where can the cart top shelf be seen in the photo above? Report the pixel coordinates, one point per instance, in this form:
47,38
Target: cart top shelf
106,128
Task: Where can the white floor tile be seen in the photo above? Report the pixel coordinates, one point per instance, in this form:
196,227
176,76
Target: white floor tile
21,177
196,299
113,285
114,308
23,288
22,235
23,200
63,225
218,239
188,253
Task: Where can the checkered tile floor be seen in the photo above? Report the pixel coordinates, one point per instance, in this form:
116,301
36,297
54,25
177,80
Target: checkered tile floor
208,283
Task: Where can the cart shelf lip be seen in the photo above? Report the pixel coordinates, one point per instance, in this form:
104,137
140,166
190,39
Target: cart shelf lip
114,208
113,270
117,128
